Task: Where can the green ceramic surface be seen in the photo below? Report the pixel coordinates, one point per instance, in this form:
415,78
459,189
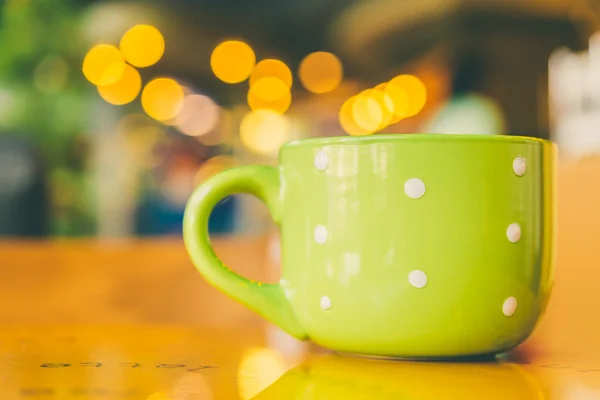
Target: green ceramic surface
398,245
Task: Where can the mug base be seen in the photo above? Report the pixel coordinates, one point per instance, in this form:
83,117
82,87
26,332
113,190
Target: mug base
476,358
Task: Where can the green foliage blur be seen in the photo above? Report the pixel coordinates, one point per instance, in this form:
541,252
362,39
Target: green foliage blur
43,100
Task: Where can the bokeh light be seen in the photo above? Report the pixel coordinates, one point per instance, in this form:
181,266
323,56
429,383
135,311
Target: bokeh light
222,132
123,91
103,65
162,98
271,68
415,90
198,116
271,94
398,97
259,368
367,112
232,61
347,121
142,46
321,72
51,74
264,131
380,104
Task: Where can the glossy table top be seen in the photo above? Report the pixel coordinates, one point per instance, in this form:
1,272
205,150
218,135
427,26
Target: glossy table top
87,319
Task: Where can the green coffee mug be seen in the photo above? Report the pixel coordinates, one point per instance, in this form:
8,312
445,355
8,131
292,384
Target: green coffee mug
415,246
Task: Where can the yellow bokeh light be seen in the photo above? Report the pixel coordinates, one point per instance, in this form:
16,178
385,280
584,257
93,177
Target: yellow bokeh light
125,90
103,65
380,107
259,368
415,91
264,131
162,98
269,89
232,61
198,116
142,46
367,112
321,72
347,121
396,101
271,94
271,68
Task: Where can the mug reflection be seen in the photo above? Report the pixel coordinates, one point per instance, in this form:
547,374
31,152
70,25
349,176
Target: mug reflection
337,377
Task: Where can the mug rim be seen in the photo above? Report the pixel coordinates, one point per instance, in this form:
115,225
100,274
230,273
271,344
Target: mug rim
393,137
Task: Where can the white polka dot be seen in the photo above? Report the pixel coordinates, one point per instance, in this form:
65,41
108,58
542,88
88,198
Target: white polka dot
513,233
510,306
417,278
321,160
321,234
520,166
325,303
414,188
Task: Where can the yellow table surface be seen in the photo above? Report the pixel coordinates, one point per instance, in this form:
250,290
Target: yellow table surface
132,319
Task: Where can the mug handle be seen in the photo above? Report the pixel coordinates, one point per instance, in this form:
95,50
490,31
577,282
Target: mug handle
268,300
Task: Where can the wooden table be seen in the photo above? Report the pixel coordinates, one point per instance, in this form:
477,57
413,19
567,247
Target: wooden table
87,319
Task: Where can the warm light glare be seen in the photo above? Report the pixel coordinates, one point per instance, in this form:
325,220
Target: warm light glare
321,72
415,90
396,101
347,121
271,68
198,116
264,131
103,65
271,94
125,90
258,369
142,46
380,104
159,396
367,112
232,61
269,89
162,99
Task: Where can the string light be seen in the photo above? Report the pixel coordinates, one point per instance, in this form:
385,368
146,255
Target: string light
198,116
103,65
321,72
232,61
347,121
271,68
125,90
162,98
142,45
415,90
367,112
264,131
398,97
269,93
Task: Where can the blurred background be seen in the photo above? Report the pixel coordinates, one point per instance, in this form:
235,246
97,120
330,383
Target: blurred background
111,112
